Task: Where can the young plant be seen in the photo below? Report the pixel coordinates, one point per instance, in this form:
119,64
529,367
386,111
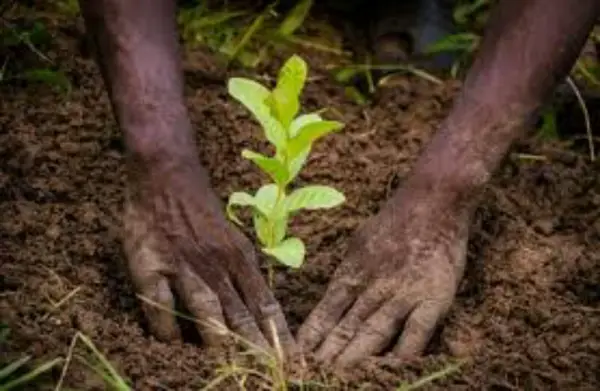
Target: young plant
293,136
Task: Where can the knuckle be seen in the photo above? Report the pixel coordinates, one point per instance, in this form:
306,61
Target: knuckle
241,320
371,327
344,332
424,317
269,310
205,299
158,291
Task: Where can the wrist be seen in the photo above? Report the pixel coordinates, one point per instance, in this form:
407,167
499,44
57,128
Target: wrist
157,142
461,158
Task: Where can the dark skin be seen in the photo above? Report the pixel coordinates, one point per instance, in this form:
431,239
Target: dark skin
403,265
176,238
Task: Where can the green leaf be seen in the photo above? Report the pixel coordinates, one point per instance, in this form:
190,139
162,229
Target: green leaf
239,198
284,101
549,129
284,106
265,198
345,75
192,20
297,163
314,197
463,11
54,78
275,213
460,42
274,132
292,76
358,97
279,229
267,201
271,166
269,231
303,120
38,34
249,33
253,96
261,227
308,134
249,93
290,252
295,17
285,98
248,59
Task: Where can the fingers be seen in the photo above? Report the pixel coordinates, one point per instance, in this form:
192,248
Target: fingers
149,273
203,304
219,306
378,331
345,331
264,307
157,308
240,320
208,263
339,296
419,328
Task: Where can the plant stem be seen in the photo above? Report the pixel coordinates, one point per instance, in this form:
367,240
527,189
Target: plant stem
271,266
280,197
271,273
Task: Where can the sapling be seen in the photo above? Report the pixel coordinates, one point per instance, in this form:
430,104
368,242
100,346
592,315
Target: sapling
292,136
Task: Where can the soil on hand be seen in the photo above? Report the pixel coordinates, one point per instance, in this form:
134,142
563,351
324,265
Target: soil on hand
527,315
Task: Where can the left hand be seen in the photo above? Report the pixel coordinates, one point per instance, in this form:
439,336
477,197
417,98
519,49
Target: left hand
401,271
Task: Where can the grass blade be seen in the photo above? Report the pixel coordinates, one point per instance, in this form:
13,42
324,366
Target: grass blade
119,382
13,367
31,375
250,32
431,378
295,18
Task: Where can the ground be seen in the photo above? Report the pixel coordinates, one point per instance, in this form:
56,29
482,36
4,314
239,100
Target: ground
527,315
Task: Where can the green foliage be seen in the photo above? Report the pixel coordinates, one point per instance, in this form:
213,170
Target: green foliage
14,375
56,79
69,8
443,373
548,128
14,38
99,364
471,17
245,36
10,379
292,135
460,42
472,14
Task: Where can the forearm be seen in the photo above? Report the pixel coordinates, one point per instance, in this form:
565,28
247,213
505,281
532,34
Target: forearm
529,46
138,53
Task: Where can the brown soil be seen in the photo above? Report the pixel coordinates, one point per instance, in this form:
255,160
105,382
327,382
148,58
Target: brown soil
527,315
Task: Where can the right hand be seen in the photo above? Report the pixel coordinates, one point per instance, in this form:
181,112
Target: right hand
177,241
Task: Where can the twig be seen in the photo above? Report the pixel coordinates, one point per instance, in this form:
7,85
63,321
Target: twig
586,117
27,43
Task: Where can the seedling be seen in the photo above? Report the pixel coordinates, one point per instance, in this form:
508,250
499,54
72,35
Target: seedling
293,136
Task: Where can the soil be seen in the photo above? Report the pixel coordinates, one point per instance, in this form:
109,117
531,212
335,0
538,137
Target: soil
527,315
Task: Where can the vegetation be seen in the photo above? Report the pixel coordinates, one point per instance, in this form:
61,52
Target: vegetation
249,38
14,375
32,37
292,135
470,16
